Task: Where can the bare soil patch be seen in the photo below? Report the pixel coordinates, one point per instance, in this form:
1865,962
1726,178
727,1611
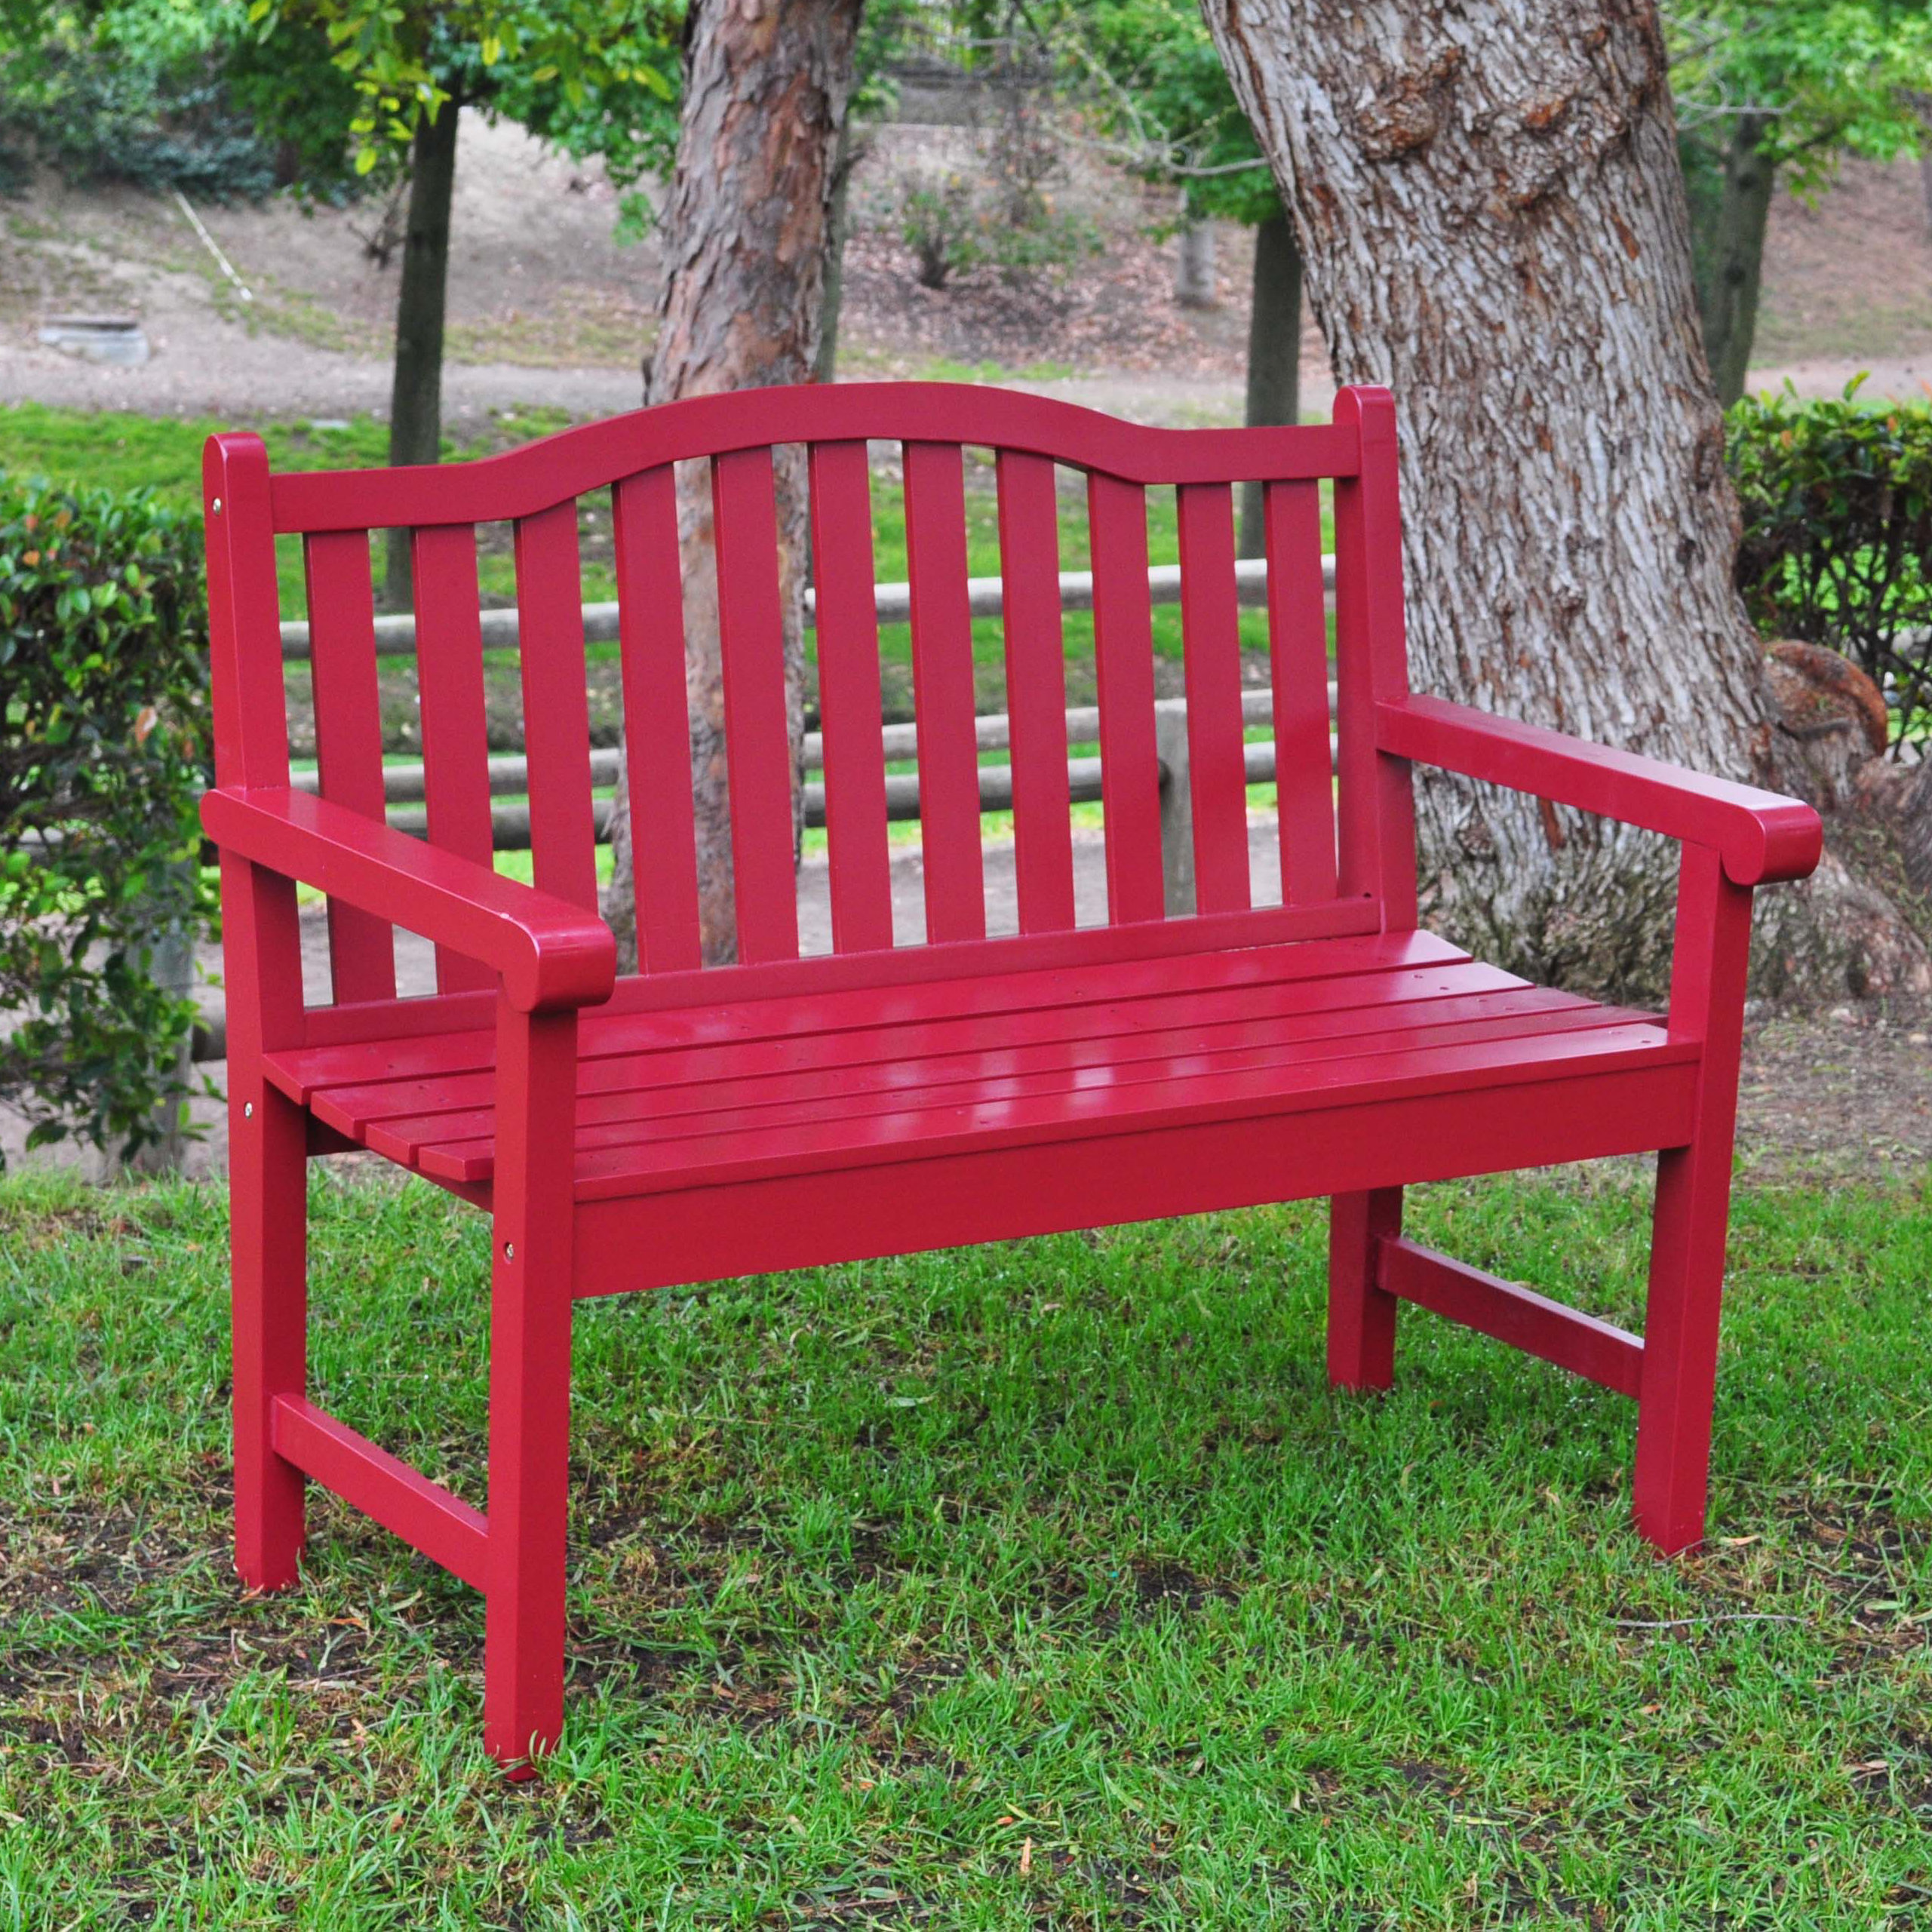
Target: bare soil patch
1845,1094
1852,276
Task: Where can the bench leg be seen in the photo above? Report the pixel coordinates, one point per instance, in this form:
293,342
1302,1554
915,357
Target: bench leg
1680,1346
269,1248
1361,1317
1692,1215
529,1386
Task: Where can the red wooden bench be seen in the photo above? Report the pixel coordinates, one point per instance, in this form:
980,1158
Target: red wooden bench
687,1124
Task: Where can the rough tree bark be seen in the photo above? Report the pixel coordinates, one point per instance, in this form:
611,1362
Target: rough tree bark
1727,254
416,392
1274,353
745,229
1492,219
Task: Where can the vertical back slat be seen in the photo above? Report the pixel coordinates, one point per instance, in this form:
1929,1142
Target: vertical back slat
657,720
557,732
757,746
851,706
456,739
1377,831
1211,637
250,688
348,740
1123,650
943,691
1036,691
1298,667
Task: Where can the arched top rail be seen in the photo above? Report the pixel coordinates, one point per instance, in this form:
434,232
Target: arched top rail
522,482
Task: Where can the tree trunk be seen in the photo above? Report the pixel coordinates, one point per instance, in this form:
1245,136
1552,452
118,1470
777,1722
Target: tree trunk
416,392
1274,352
1921,104
1492,218
848,154
746,230
1194,264
1728,253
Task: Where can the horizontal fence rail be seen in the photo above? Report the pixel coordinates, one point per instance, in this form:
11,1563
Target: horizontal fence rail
510,827
396,635
509,777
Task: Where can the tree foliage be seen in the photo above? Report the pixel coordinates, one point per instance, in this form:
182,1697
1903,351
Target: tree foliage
1148,73
138,90
596,77
1825,78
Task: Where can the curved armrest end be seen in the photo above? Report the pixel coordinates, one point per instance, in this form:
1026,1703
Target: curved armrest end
552,955
1785,840
1759,836
563,967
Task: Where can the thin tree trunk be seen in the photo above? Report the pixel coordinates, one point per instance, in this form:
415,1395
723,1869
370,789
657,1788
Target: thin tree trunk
1274,352
746,230
415,393
1728,250
848,154
1492,218
1194,264
1923,103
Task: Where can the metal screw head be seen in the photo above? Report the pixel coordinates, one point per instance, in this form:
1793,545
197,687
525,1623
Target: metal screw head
248,1109
215,507
509,1250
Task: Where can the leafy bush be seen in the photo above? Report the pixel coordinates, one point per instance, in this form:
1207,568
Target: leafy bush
142,97
1837,549
936,223
104,750
952,225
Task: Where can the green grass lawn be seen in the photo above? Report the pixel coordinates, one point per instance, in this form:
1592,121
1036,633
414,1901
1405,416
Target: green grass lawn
1037,1585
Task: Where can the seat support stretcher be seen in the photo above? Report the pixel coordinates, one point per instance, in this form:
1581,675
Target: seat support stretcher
1598,1351
424,1514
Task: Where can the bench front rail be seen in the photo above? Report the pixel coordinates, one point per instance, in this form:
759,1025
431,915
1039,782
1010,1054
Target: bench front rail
690,1122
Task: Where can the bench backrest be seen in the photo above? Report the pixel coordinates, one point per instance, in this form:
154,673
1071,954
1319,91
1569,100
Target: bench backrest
1347,849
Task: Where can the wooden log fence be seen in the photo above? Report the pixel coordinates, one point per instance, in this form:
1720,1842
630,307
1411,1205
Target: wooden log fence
403,783
395,634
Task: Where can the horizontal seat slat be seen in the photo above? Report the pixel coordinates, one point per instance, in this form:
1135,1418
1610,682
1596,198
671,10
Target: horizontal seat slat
903,967
686,1123
690,1096
1088,1112
300,1072
1392,1001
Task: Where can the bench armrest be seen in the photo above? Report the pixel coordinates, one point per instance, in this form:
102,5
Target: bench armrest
552,955
1758,836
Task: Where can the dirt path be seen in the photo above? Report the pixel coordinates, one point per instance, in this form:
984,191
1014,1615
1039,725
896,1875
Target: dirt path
546,308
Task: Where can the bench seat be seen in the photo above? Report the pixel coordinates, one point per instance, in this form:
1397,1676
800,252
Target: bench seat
815,1083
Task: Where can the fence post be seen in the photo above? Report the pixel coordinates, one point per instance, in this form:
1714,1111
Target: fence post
1176,810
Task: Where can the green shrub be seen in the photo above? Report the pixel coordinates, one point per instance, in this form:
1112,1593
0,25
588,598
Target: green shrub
937,222
138,94
1837,549
104,750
